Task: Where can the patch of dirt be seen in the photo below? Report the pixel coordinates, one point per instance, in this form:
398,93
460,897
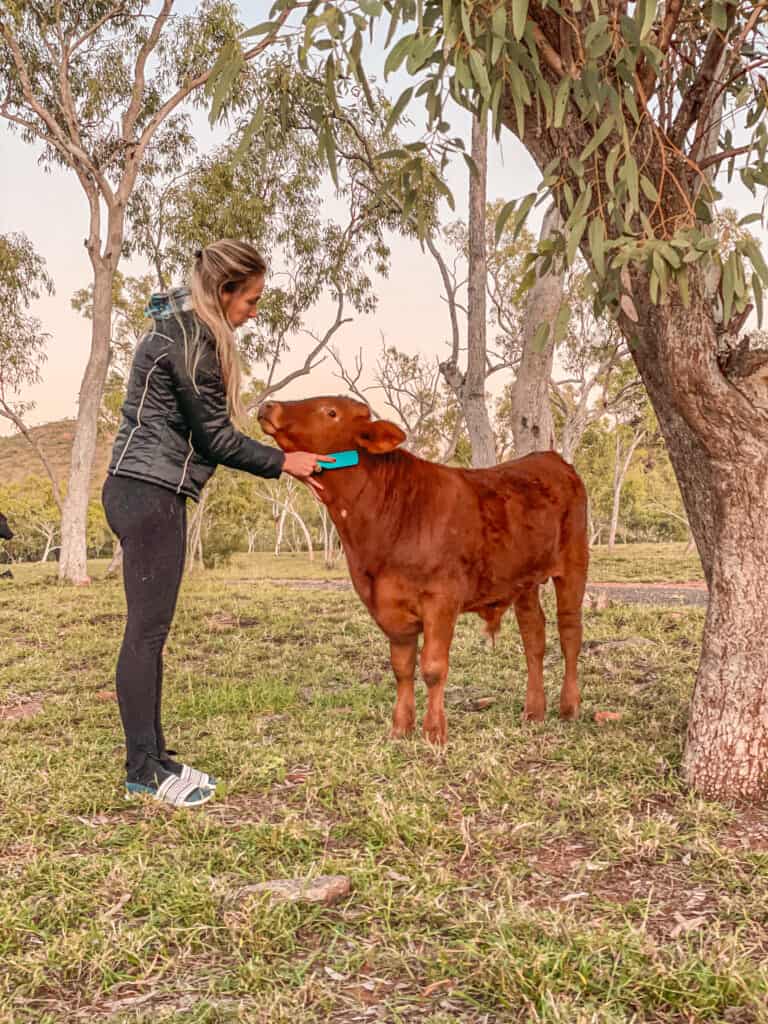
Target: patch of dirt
298,584
692,592
749,832
25,708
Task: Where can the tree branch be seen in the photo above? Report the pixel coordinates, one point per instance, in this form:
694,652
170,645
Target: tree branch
647,73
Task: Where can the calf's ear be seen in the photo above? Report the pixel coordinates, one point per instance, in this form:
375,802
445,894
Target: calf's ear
380,436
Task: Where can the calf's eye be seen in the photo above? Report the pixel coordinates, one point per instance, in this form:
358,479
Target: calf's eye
332,413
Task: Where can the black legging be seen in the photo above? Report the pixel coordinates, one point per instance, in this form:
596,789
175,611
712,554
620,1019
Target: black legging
151,523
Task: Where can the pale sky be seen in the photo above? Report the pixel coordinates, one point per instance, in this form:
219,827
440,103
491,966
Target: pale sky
49,206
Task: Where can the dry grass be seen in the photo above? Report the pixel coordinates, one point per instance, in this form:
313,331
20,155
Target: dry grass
547,873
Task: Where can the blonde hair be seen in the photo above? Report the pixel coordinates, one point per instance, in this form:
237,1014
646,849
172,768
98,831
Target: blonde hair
224,265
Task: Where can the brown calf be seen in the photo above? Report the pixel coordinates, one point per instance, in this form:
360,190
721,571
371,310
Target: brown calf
425,542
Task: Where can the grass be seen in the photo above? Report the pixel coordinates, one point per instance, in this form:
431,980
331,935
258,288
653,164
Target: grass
548,873
630,563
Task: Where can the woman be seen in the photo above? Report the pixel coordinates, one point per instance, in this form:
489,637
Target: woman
183,394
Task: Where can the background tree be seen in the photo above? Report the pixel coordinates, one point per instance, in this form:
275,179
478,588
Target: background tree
23,279
270,188
101,86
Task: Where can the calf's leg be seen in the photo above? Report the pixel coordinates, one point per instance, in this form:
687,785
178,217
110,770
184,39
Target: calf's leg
438,633
570,594
403,657
530,619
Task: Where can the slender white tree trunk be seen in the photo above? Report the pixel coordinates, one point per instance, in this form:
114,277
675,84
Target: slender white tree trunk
532,425
280,528
475,409
620,469
72,562
305,531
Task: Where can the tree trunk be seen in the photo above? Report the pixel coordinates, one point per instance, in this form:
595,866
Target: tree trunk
72,561
280,528
718,443
475,410
726,751
617,482
620,470
195,534
305,532
532,425
116,562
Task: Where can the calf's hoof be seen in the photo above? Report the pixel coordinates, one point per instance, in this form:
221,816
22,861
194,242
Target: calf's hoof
569,712
534,714
400,732
435,733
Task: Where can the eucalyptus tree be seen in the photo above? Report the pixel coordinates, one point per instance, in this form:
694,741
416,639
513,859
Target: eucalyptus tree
272,188
629,111
101,88
23,279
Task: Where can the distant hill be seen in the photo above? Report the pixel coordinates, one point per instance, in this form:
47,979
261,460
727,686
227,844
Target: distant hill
18,460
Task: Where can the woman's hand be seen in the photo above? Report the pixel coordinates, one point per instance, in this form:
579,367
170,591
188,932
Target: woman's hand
302,465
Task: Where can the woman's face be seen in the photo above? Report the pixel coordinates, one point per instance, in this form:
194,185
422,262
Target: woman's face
243,303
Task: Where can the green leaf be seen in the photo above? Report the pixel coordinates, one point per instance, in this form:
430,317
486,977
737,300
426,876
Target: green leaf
499,22
719,17
702,210
653,287
574,238
645,13
394,115
560,326
728,285
540,338
682,284
519,114
397,54
518,84
465,23
226,69
522,213
372,8
561,101
471,164
757,291
479,73
501,221
598,138
259,30
751,218
649,189
631,178
546,96
462,71
253,126
752,250
596,236
669,254
519,16
610,165
330,155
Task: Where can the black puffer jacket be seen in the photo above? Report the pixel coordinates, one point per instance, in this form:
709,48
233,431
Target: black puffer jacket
176,430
